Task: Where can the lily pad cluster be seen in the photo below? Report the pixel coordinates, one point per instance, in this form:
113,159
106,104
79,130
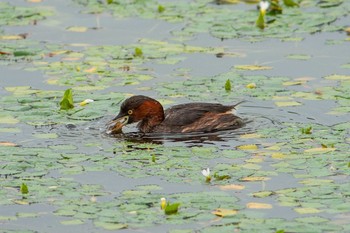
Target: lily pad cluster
230,22
313,160
214,87
41,108
99,67
16,16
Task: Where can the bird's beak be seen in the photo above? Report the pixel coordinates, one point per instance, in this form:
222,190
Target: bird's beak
116,125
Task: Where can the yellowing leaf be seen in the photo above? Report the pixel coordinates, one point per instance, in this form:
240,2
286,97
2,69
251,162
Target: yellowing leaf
252,166
77,29
255,160
251,85
338,77
90,70
5,119
250,135
231,187
224,212
307,210
248,147
287,103
278,155
11,37
252,67
254,178
71,58
20,90
316,182
319,150
256,205
347,30
52,81
21,202
274,147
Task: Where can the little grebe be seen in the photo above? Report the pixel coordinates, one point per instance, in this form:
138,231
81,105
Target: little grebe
182,118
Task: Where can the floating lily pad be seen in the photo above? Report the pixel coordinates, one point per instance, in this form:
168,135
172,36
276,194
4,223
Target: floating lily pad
252,67
287,103
256,205
299,56
7,119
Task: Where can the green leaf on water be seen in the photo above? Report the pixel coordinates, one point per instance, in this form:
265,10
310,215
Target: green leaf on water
290,3
24,189
306,130
228,85
299,56
260,22
67,100
110,226
138,52
279,231
309,210
7,119
22,53
72,222
263,194
221,177
161,9
171,208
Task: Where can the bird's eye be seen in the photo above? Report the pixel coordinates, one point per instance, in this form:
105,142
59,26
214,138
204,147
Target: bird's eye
130,112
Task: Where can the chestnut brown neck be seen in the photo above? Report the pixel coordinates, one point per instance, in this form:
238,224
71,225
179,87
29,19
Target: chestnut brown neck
151,114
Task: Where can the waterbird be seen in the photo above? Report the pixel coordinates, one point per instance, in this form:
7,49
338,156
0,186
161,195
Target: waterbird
183,118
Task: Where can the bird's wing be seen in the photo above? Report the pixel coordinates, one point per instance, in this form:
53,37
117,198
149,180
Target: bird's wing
185,114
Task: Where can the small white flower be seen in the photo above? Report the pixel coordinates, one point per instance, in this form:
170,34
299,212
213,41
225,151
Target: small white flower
264,5
162,203
206,172
85,102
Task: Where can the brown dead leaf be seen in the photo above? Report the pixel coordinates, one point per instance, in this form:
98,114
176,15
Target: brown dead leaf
231,187
4,53
7,144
